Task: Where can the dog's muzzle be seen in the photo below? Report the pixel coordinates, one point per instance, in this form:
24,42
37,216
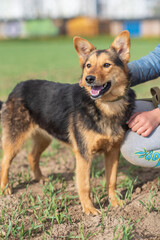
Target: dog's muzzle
98,91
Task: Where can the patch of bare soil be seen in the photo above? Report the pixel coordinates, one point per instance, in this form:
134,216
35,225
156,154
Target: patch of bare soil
138,219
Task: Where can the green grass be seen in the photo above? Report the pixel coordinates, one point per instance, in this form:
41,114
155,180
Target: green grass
149,205
44,212
54,59
124,231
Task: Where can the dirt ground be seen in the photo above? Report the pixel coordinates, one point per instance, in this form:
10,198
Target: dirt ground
138,219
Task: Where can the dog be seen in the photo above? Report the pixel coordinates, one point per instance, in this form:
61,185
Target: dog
90,116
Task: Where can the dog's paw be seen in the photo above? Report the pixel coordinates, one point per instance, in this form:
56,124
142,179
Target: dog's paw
116,203
44,180
91,210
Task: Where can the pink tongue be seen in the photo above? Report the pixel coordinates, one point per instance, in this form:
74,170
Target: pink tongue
95,90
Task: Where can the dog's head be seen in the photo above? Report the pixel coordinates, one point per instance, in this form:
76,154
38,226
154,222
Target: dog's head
105,72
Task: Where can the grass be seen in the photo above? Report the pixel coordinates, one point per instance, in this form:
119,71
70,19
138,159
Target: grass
53,59
52,209
124,231
35,215
150,204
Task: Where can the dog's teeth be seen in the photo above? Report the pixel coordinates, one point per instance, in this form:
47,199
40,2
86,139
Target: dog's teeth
105,85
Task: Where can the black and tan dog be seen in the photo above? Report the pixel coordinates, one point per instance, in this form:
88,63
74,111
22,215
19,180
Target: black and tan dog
90,118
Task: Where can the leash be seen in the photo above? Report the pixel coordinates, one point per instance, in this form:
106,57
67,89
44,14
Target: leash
155,99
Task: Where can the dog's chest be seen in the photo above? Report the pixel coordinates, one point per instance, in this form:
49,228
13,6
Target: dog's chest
103,142
106,143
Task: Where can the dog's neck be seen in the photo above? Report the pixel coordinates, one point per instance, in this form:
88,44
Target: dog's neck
123,96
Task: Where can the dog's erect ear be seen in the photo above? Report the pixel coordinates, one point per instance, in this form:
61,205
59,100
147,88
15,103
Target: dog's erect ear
83,48
122,45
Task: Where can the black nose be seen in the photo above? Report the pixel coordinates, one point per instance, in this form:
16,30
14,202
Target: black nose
90,79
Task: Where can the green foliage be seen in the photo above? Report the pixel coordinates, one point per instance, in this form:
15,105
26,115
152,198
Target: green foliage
124,231
46,211
150,204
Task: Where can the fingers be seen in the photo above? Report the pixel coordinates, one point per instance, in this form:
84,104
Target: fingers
147,132
133,117
140,130
135,121
134,125
138,123
144,131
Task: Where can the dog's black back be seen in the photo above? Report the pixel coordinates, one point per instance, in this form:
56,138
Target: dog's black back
53,105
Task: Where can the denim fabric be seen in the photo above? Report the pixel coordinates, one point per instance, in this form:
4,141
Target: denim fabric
146,68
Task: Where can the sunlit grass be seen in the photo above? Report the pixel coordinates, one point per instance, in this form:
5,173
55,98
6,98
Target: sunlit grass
55,60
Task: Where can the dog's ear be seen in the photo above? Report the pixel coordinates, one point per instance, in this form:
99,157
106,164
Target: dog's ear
122,45
83,48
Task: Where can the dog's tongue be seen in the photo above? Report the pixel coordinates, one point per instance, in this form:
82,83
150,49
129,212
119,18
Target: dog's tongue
95,90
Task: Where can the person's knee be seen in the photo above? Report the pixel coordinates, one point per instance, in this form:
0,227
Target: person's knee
126,150
130,146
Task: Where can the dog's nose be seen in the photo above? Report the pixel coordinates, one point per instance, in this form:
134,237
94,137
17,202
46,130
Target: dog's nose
90,79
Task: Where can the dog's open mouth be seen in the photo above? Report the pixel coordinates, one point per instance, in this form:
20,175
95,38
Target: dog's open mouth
97,91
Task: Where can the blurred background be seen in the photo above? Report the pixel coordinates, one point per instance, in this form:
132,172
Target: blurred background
28,18
36,35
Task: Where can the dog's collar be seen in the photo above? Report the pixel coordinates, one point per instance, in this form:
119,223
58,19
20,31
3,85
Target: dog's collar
117,99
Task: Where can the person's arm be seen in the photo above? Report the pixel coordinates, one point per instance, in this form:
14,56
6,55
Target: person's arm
143,70
146,68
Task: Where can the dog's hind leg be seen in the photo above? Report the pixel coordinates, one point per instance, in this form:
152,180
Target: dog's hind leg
83,183
41,141
10,149
111,165
17,126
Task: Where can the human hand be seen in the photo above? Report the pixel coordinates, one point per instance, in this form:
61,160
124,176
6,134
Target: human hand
144,122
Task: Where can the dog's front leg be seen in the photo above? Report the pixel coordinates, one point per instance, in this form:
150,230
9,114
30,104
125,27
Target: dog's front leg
111,165
83,183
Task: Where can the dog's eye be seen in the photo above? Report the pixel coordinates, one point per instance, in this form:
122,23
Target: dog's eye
88,65
106,65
